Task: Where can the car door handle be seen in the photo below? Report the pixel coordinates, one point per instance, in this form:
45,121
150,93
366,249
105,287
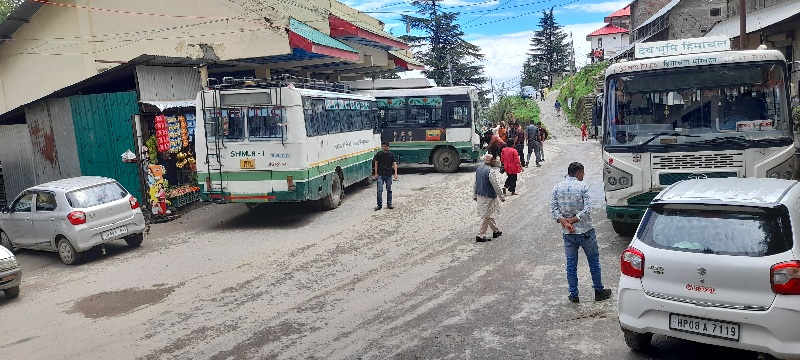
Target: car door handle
52,219
28,218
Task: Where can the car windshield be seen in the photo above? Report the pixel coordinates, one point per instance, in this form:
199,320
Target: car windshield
96,195
729,230
721,106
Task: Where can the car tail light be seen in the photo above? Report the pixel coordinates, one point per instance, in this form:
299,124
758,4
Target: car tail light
632,263
785,278
77,217
134,203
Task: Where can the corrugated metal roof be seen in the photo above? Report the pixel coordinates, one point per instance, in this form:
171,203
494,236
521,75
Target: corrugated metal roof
317,37
608,30
758,19
626,11
362,25
658,14
19,17
163,83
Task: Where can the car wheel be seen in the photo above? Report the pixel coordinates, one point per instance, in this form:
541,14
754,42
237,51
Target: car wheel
624,228
67,253
5,241
334,198
134,240
637,341
445,160
12,292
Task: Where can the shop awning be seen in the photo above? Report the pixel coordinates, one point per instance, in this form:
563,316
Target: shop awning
404,61
310,40
360,33
758,19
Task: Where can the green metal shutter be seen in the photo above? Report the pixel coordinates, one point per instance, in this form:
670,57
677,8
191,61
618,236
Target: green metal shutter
103,132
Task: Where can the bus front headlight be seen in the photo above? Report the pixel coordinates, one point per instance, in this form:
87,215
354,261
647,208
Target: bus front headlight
783,171
615,178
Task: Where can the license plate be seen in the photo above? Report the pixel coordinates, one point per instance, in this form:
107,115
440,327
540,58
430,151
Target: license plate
706,327
247,163
114,232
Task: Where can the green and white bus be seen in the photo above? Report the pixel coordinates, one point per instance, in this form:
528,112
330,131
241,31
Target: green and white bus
692,115
434,125
276,142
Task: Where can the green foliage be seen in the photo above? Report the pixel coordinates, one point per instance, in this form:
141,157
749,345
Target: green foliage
6,7
449,59
550,53
524,111
580,85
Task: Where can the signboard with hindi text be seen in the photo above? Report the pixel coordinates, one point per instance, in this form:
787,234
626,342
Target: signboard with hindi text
682,46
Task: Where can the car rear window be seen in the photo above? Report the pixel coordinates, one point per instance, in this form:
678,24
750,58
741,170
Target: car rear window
728,230
96,195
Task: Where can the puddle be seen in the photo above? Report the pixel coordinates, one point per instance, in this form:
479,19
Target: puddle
115,303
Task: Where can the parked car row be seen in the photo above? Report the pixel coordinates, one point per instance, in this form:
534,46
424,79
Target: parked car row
715,261
68,216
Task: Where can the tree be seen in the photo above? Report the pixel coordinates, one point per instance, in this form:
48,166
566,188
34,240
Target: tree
549,53
7,6
448,58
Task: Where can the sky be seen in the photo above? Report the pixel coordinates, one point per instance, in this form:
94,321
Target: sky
503,28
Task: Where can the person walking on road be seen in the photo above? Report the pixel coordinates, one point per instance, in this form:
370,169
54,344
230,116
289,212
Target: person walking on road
543,134
558,108
533,140
571,208
486,191
519,142
584,131
384,165
512,166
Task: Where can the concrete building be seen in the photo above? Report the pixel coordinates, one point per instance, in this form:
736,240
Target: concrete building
608,40
81,79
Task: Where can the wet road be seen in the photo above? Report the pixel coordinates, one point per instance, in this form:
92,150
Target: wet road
291,282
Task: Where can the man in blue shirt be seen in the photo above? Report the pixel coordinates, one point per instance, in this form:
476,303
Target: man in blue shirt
571,208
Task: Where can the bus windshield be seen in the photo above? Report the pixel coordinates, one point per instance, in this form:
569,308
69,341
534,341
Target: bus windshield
700,108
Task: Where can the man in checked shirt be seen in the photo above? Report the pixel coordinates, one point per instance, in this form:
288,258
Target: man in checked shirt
571,208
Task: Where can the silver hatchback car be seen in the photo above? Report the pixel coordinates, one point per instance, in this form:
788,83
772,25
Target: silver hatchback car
71,216
716,261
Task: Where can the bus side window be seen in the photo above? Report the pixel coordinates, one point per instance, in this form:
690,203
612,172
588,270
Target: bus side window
320,121
459,115
347,120
358,120
311,123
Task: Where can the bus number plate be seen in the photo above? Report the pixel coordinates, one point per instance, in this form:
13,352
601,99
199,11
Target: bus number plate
247,163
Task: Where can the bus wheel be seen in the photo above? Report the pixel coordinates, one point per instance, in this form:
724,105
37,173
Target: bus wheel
624,228
253,205
334,198
445,160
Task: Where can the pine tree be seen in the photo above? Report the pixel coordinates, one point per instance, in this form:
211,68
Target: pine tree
549,53
448,58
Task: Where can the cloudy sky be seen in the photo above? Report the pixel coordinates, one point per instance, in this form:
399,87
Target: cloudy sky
503,28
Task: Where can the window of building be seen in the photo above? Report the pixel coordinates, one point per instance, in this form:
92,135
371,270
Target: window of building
715,12
600,42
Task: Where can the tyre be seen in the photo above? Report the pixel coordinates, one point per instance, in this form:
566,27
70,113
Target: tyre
5,241
624,228
334,198
12,292
134,240
637,341
253,205
67,253
445,160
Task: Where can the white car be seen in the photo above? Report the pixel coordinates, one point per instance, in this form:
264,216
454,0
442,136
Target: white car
71,216
716,261
10,274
